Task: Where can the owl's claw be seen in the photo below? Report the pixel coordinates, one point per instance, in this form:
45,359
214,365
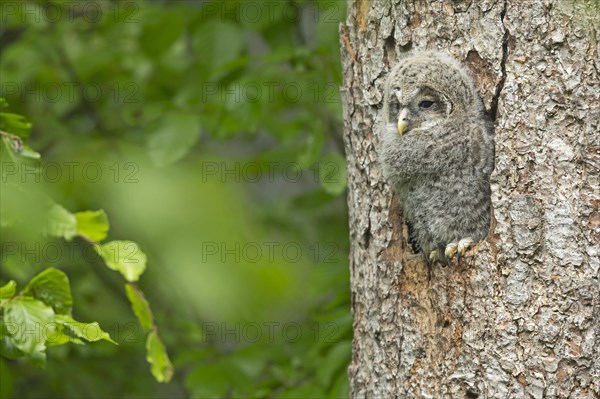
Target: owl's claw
464,245
437,257
451,250
433,256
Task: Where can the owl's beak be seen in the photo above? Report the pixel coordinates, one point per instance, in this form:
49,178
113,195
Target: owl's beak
403,121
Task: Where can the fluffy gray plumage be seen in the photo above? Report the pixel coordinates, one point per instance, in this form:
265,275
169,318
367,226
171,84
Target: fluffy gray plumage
437,152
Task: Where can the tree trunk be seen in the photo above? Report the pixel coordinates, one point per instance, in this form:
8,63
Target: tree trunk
520,318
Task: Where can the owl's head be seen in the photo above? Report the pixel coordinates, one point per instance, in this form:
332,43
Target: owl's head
427,89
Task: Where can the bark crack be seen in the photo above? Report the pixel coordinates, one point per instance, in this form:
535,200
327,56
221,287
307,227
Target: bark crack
500,85
344,35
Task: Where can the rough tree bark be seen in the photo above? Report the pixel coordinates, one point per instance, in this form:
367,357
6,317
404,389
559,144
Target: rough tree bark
521,317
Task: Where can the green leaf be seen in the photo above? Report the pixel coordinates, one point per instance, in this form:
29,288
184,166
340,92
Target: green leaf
8,289
156,355
15,146
332,173
28,152
29,321
126,257
60,223
92,224
91,332
177,132
60,338
52,287
15,124
140,306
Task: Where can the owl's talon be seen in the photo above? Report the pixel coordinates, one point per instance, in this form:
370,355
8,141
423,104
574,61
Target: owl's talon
464,245
451,250
433,256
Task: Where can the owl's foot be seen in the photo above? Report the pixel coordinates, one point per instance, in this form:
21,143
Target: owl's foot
437,257
452,251
463,246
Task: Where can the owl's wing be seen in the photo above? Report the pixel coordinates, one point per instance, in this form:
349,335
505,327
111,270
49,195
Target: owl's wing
448,147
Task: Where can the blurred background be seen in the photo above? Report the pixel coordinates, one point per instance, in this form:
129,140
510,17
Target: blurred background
210,134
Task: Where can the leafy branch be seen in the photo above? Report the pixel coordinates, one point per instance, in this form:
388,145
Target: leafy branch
41,314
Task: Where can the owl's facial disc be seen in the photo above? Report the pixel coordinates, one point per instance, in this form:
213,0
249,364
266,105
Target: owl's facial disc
403,124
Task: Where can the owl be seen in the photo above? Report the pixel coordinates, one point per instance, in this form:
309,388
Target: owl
437,153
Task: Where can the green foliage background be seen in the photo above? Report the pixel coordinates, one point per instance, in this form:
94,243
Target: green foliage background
210,134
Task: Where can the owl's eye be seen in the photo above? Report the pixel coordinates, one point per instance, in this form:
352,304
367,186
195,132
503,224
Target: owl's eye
425,104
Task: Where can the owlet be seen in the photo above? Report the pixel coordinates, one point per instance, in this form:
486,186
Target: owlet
437,153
